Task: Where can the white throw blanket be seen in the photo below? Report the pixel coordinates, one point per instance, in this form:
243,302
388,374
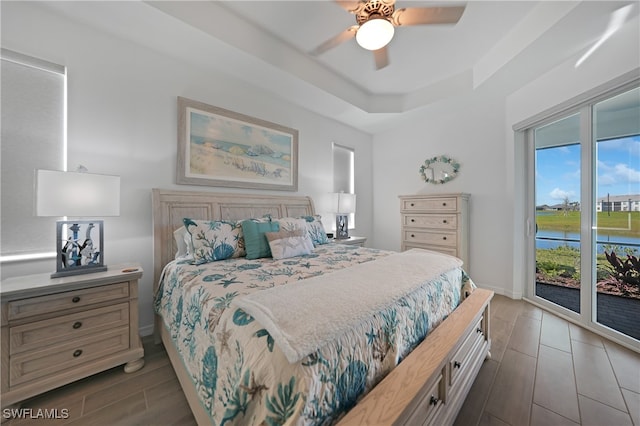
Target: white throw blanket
304,316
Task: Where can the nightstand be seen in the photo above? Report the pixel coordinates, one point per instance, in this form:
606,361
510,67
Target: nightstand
354,241
58,330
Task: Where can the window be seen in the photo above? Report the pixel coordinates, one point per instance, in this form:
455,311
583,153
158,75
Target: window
343,173
33,137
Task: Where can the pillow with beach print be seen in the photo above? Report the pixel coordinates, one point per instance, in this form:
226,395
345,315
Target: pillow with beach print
316,230
214,240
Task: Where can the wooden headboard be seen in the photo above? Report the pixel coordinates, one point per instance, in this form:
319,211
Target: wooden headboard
171,206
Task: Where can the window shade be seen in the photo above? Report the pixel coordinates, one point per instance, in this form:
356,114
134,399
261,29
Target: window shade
33,127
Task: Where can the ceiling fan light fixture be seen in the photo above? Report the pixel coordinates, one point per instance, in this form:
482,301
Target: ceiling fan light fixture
375,34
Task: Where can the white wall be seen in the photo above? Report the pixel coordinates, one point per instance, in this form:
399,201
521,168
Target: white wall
476,130
468,129
122,120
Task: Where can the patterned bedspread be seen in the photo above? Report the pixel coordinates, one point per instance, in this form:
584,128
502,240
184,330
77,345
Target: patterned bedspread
240,374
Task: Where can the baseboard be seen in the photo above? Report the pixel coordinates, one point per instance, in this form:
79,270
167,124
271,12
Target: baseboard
146,330
516,295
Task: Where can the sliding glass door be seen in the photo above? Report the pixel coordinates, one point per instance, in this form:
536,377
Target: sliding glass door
617,212
586,196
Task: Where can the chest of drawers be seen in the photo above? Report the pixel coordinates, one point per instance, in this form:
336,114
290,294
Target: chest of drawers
55,331
436,222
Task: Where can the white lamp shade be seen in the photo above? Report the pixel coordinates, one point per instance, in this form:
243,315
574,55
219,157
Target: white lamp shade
375,34
344,203
76,194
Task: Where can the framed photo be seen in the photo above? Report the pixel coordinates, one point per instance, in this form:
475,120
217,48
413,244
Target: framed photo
218,147
79,247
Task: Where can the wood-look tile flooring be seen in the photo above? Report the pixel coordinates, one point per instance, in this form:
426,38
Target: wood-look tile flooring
543,371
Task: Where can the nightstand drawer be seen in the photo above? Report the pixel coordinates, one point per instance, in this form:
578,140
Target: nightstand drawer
430,204
439,221
440,238
44,333
57,302
39,364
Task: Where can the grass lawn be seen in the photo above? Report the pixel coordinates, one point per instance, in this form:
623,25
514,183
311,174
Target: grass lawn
570,222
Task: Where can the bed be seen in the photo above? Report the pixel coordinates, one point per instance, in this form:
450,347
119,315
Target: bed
233,332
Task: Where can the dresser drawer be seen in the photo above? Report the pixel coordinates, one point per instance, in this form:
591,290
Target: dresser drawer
67,327
430,204
25,308
439,221
430,405
461,361
34,365
451,251
429,237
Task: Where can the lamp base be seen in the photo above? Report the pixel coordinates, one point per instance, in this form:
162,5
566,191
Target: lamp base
342,227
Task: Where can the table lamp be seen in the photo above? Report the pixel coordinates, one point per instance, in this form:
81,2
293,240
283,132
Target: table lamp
344,204
81,195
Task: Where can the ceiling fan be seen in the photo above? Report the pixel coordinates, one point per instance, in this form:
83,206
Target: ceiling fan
376,20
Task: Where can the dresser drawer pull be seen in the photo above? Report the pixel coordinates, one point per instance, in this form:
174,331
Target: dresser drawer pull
76,299
413,220
456,364
444,204
433,400
479,330
444,238
413,236
77,325
77,353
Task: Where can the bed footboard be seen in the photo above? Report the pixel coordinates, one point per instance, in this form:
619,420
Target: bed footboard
429,386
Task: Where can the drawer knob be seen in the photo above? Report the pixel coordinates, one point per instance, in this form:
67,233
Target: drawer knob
444,221
77,325
444,238
478,330
456,364
77,353
412,204
76,299
444,204
413,220
433,400
413,236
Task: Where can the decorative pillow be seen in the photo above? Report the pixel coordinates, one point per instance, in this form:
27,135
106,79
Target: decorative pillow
214,240
285,244
256,244
316,230
291,223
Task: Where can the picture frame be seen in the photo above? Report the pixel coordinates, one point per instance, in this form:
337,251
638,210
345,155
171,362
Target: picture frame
80,247
218,147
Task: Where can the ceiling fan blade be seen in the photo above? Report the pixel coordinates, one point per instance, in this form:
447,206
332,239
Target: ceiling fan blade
351,6
427,15
347,34
381,56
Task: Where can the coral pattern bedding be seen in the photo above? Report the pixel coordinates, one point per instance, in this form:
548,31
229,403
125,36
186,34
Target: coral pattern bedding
240,373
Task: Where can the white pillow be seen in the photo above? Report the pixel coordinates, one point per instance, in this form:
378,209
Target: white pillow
182,238
285,244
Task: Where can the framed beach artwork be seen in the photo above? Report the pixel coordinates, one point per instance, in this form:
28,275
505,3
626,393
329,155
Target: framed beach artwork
218,147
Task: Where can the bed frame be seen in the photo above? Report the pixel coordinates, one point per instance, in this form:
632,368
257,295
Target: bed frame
430,384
